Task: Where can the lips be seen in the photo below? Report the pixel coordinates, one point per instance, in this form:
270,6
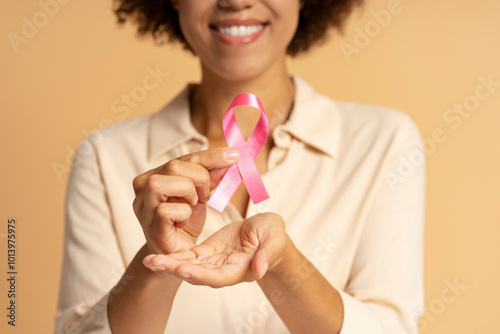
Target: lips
238,32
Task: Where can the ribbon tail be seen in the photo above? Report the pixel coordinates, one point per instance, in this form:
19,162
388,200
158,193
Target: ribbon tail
225,190
251,177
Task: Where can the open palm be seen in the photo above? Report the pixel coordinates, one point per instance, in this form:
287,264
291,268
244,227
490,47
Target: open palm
239,252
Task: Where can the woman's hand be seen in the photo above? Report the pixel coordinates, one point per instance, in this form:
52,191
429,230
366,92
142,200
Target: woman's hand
239,252
170,200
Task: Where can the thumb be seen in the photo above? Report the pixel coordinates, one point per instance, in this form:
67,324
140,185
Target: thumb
269,254
260,264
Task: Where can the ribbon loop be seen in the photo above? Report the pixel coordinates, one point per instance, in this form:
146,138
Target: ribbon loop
245,169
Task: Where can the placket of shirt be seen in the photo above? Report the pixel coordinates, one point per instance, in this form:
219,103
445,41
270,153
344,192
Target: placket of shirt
282,142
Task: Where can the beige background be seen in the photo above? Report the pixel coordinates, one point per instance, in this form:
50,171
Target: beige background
64,78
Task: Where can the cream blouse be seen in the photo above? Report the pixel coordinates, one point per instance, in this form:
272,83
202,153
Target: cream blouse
348,179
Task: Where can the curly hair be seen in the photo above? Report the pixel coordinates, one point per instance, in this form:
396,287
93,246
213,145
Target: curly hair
159,19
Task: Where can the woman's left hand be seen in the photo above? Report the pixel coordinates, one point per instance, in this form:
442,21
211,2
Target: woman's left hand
239,252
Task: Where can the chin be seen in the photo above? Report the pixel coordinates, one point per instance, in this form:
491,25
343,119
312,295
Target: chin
239,69
239,74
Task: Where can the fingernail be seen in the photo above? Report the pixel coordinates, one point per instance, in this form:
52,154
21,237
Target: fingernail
264,268
231,154
185,275
153,268
162,268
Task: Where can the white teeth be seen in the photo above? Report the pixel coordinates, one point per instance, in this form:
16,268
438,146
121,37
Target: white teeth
240,30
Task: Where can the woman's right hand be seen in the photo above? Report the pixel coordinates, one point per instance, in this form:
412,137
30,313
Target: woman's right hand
170,200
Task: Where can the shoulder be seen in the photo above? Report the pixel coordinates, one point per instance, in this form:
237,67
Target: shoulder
375,144
350,126
130,130
131,144
352,117
112,145
139,133
384,139
374,120
376,135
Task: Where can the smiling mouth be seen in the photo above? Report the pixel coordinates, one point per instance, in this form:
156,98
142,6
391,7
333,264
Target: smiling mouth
238,28
239,31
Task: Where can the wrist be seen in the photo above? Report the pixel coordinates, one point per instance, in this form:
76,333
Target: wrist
286,262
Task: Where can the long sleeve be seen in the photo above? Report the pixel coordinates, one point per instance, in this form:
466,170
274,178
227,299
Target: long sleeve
345,173
385,290
92,262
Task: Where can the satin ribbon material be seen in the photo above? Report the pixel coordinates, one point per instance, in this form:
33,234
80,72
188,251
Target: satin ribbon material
245,169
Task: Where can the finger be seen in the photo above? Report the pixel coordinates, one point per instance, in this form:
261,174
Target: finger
208,159
137,206
196,173
163,232
213,158
159,188
168,262
148,263
168,214
140,180
205,168
216,162
260,264
216,176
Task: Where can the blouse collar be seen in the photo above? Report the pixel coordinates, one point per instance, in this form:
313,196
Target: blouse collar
314,120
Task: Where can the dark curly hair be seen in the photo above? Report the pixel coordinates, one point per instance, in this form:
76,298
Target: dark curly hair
160,19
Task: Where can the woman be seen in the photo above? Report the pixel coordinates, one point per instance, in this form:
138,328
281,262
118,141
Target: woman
336,249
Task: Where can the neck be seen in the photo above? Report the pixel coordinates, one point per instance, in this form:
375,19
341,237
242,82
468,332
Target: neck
212,97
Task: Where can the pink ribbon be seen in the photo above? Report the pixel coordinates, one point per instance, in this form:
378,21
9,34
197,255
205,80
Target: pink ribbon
245,169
